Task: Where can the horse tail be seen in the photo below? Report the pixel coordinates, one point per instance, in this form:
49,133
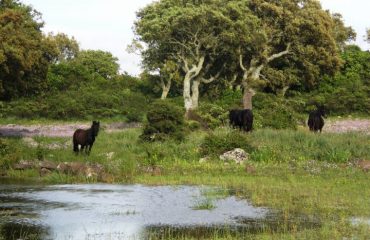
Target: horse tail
75,144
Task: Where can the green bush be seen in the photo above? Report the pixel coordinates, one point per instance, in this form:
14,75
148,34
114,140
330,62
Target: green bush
213,115
165,120
78,104
274,112
8,155
217,143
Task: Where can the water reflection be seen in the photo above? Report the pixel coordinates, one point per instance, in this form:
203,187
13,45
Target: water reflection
120,212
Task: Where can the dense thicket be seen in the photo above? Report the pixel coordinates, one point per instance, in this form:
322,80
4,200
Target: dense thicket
23,51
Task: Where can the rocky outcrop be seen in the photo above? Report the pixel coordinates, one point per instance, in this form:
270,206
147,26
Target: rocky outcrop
364,165
94,170
237,155
153,170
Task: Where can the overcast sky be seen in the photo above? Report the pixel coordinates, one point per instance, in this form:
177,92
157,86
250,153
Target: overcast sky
107,24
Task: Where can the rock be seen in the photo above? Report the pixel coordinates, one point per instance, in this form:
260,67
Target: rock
237,155
250,169
30,142
76,167
204,160
48,165
110,155
364,165
94,170
44,171
153,170
62,167
23,165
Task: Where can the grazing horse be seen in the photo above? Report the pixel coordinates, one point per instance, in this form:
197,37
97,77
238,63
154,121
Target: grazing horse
242,119
315,120
85,138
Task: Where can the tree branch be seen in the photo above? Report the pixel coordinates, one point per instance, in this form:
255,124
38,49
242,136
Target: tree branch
212,78
280,54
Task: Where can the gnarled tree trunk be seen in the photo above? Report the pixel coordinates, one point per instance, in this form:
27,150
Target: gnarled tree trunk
247,98
252,75
165,88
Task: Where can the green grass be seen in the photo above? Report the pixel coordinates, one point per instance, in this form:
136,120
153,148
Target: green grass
297,172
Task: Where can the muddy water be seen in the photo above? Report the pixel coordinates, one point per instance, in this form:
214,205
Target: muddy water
119,212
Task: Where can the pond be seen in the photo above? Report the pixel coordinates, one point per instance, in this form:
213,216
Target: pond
102,211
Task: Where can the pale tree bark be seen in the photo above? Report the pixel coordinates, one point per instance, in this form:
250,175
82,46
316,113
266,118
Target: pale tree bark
194,74
165,88
195,94
283,91
190,74
247,98
252,75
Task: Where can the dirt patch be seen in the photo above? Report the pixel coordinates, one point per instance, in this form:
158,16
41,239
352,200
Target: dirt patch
347,125
57,130
67,130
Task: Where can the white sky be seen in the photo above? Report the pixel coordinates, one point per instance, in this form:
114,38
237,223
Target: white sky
107,24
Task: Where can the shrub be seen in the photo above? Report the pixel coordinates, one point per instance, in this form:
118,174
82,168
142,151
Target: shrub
213,115
8,155
165,120
217,143
271,111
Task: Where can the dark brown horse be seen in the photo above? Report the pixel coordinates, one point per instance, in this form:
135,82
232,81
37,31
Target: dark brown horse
85,138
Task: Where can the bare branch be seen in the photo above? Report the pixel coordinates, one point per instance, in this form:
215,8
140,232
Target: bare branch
280,54
212,78
241,63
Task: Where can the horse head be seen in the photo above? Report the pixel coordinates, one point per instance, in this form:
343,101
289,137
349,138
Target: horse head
95,127
322,111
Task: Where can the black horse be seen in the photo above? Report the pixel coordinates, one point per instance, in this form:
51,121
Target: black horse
85,138
315,120
242,119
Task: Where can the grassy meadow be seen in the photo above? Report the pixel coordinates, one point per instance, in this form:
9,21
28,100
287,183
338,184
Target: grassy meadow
293,172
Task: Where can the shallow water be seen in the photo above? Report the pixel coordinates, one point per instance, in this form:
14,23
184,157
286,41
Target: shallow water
103,211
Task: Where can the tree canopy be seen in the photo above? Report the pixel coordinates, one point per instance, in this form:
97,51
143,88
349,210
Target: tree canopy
269,43
23,51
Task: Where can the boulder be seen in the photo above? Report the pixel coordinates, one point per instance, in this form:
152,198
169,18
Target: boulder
23,165
250,169
44,172
48,165
364,165
153,170
237,155
204,160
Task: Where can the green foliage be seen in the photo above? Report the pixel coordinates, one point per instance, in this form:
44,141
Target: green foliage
8,154
348,91
65,48
193,125
287,145
213,115
23,51
271,111
98,62
230,99
278,146
165,120
219,142
97,100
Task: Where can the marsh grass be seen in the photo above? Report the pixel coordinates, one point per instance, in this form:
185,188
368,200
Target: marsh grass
297,172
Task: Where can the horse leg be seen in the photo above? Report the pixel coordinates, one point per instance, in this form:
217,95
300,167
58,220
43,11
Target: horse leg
90,148
82,148
75,147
